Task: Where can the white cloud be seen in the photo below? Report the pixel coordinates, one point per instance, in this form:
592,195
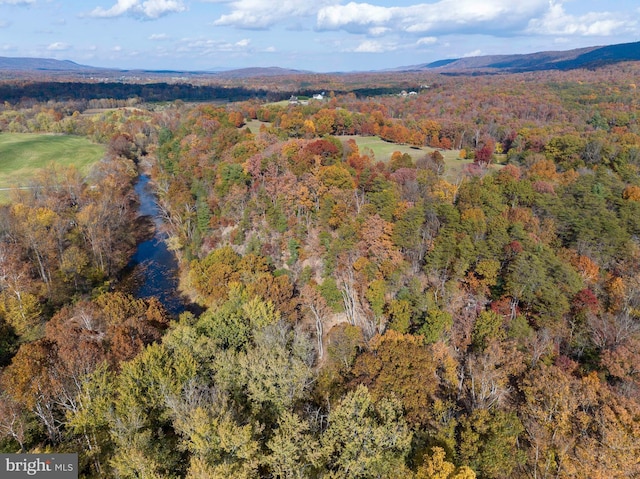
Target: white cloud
158,36
427,41
16,2
4,24
58,47
204,47
431,17
373,46
444,16
120,8
157,8
378,31
146,8
474,53
260,14
557,22
352,14
501,17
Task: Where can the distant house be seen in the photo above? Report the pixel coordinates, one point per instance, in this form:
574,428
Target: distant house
304,100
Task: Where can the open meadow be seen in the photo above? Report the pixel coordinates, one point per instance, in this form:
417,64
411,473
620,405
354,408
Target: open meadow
23,154
382,150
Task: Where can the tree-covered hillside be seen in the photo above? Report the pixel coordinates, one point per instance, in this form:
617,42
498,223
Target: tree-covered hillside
361,317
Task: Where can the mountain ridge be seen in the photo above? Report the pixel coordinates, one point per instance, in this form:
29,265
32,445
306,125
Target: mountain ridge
586,57
50,65
40,64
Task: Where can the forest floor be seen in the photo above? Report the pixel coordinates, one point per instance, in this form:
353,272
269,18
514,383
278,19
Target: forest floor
22,155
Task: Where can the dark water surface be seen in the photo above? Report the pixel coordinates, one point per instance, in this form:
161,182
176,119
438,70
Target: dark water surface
154,269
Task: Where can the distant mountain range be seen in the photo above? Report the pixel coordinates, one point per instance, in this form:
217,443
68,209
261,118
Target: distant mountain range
42,64
590,57
57,67
260,72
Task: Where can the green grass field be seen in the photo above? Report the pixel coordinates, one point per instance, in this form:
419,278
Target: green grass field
384,149
23,154
254,125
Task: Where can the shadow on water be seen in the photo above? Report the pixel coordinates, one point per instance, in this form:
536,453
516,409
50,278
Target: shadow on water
153,270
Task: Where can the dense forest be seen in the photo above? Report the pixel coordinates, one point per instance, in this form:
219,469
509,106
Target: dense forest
360,317
204,88
42,91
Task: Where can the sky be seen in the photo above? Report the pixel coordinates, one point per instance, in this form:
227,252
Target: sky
316,35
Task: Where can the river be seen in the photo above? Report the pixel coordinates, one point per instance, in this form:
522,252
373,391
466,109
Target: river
153,268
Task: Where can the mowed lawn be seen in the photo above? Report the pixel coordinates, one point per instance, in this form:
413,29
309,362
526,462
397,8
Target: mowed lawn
23,154
383,150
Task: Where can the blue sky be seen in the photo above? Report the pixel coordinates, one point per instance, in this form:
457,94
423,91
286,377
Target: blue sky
317,35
